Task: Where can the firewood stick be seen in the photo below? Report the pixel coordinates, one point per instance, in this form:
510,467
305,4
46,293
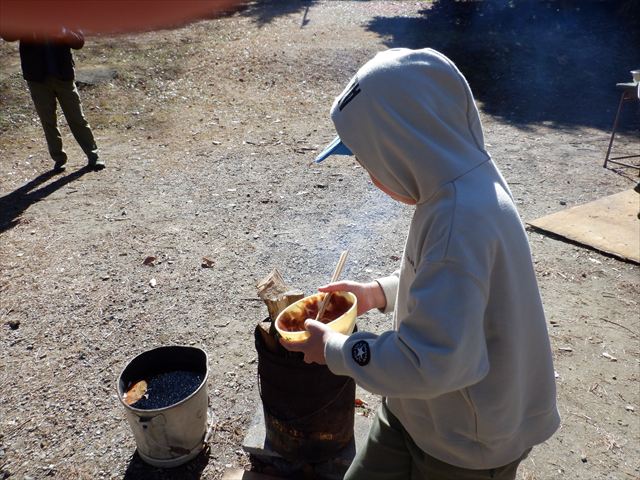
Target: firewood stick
334,278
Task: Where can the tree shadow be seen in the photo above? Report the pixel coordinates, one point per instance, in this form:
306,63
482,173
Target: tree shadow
266,11
14,204
533,61
139,470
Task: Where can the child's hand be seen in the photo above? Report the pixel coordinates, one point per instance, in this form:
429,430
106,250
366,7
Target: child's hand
313,347
370,295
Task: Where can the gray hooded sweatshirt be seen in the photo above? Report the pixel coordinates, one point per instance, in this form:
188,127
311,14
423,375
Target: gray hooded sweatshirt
467,368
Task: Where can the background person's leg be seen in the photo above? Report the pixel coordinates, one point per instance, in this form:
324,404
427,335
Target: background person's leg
385,455
69,99
44,101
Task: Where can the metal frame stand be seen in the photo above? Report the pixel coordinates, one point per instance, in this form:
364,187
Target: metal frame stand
629,93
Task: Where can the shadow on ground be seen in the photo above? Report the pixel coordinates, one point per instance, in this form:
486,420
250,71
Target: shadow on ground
533,61
266,11
14,204
139,470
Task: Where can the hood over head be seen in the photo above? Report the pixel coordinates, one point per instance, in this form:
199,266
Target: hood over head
410,119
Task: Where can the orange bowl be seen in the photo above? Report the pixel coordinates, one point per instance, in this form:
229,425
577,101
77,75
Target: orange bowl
340,315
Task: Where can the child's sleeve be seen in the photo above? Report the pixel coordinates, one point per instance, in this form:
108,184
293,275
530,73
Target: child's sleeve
389,286
439,347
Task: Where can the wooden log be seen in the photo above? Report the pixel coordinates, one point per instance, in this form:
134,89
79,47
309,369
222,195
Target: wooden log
276,294
268,335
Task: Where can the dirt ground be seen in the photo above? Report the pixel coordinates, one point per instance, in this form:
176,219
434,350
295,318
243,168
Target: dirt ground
207,131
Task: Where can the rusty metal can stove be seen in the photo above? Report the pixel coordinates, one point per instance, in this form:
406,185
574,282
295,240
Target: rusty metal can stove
308,411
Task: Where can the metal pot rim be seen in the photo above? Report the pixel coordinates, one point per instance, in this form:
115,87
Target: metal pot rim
173,405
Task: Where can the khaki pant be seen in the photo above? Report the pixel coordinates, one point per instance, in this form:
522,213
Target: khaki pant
390,454
44,95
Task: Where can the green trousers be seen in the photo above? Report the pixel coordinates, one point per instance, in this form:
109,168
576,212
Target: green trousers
45,95
391,454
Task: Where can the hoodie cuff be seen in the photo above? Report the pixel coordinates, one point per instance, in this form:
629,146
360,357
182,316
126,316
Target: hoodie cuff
389,287
333,354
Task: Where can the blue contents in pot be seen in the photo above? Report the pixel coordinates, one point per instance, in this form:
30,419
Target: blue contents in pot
168,388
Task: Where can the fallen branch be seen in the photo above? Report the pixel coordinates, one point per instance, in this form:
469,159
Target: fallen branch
635,335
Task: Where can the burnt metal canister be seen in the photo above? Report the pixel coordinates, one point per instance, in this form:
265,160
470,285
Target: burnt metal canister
172,435
308,411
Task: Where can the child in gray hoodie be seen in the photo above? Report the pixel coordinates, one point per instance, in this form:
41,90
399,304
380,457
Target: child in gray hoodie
466,373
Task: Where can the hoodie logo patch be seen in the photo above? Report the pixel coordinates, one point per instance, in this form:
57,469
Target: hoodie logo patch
361,353
349,95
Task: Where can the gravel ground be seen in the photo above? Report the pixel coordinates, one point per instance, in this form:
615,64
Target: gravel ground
208,131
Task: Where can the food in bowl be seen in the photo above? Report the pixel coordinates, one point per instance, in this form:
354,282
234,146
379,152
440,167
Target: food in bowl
293,320
340,315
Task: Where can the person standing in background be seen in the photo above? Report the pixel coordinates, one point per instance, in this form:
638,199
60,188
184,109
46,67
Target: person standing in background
48,68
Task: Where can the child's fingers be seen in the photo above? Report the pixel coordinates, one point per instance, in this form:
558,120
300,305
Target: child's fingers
314,327
336,287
